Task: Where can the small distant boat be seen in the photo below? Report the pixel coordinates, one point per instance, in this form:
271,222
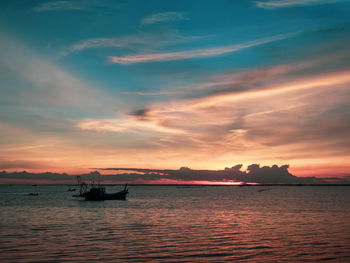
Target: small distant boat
262,190
98,193
71,190
33,194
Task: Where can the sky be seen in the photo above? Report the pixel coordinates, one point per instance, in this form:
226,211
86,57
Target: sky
170,84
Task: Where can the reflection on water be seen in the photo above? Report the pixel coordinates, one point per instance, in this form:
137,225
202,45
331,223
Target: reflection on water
170,224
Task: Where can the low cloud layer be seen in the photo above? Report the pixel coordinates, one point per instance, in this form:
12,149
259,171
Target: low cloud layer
253,174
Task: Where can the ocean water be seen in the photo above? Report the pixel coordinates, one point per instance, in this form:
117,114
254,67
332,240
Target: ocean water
171,224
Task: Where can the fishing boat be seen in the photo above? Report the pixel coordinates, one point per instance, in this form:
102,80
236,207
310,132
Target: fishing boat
98,193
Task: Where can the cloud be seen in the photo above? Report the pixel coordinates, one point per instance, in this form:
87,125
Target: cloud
221,109
46,83
163,17
216,104
59,5
267,114
136,124
38,178
230,82
37,107
138,42
90,7
156,93
229,176
291,3
121,42
19,164
253,174
199,53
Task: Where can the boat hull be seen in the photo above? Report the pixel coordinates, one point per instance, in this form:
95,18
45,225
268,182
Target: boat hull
89,196
98,193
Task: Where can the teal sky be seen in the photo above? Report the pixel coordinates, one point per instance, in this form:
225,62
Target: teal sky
162,84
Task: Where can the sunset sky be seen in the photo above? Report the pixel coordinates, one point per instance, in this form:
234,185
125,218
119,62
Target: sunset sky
165,84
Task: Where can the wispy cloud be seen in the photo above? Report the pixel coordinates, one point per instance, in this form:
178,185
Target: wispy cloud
209,52
163,17
86,6
126,124
121,42
155,93
59,5
205,111
140,41
57,87
290,3
36,109
228,82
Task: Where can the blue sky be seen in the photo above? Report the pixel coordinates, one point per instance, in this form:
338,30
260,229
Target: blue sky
163,84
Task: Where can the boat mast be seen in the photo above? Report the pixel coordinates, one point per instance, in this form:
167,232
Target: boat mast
83,186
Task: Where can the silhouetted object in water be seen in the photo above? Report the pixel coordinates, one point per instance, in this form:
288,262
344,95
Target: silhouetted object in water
98,193
33,194
262,190
71,190
243,184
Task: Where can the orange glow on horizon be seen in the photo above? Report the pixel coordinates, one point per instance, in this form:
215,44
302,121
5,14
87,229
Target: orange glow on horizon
136,182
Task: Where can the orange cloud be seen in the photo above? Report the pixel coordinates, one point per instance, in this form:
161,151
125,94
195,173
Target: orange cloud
282,120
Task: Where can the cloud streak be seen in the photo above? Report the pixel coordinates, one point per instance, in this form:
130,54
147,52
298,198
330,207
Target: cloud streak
36,109
125,124
138,42
119,42
199,53
163,17
291,3
59,5
57,87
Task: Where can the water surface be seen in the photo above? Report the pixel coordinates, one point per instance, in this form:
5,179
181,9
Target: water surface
171,224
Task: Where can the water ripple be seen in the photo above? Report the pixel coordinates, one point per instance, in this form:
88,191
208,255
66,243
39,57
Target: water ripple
169,224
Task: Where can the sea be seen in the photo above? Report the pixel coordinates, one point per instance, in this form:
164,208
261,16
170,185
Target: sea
177,224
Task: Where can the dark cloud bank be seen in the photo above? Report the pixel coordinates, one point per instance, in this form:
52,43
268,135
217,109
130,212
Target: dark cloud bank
254,174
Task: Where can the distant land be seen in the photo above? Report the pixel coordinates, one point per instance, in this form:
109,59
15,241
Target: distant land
254,174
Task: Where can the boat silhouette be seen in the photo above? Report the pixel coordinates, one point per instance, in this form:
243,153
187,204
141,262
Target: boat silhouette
98,193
